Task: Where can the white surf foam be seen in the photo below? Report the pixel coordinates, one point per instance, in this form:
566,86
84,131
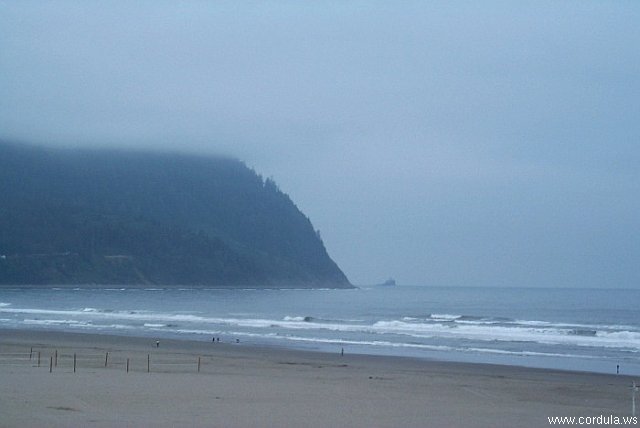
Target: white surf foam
288,318
438,326
54,322
549,335
444,317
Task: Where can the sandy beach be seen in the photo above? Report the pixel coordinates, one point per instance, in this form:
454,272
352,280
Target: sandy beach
204,384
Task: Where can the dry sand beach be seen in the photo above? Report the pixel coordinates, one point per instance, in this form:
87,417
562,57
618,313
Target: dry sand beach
243,386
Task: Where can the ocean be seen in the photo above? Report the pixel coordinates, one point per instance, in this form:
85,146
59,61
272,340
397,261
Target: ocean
594,330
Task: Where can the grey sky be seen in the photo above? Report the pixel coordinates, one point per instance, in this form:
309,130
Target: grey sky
441,143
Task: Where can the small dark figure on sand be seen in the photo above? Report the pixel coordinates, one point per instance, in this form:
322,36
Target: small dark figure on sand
157,343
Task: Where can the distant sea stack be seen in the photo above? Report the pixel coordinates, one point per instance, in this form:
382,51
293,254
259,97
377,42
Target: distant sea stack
107,217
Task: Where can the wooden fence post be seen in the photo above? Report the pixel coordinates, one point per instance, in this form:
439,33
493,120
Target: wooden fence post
106,358
198,364
50,364
127,365
74,362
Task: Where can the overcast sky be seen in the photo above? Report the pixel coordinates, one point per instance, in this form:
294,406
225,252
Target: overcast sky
450,143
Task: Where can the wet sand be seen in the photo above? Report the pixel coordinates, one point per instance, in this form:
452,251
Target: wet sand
244,386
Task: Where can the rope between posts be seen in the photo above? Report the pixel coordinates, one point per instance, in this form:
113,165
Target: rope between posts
14,364
178,363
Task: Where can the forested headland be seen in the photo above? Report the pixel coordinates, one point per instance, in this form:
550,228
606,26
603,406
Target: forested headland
97,216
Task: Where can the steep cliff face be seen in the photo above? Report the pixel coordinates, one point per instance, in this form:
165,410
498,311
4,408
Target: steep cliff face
115,217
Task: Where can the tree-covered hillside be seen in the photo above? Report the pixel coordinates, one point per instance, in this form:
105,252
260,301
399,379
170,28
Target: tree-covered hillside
116,217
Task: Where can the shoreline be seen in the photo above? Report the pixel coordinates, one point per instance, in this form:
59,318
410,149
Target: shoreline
48,338
423,322
240,385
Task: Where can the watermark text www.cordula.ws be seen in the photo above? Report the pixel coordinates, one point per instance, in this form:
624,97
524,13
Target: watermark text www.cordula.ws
593,420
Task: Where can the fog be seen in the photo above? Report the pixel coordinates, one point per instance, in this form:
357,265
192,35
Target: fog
440,143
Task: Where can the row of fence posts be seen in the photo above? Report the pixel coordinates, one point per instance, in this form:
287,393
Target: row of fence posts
53,361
